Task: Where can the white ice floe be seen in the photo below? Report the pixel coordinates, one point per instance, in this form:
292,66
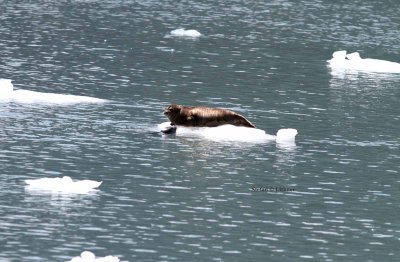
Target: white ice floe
8,94
286,135
185,33
87,256
353,61
62,185
234,133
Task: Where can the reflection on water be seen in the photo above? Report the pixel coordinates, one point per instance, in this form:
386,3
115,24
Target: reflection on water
61,203
357,98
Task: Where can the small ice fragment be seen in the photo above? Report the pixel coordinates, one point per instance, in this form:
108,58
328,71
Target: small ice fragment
87,256
286,135
187,33
6,88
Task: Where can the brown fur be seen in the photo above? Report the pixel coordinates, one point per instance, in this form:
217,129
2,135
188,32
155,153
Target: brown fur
201,116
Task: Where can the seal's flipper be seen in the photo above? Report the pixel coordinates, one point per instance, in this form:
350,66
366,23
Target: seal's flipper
171,129
242,121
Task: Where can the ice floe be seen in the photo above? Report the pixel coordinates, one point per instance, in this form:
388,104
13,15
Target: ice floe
286,135
234,133
185,33
62,185
353,61
87,256
8,94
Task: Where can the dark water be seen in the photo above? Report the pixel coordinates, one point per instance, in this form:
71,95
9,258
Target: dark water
188,199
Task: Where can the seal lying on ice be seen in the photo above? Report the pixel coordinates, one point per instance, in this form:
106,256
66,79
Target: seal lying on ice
200,116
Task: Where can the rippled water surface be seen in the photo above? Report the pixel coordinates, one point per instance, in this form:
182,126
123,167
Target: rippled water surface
188,198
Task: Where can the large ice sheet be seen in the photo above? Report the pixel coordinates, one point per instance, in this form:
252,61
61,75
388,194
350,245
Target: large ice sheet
8,94
234,133
353,61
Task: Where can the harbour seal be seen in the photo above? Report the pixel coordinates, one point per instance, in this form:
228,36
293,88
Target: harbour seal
200,116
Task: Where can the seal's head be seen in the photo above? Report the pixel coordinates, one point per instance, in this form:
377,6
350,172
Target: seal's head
172,110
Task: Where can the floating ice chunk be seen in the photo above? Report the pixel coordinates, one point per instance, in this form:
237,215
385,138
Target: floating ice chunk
62,185
7,94
6,88
87,256
286,136
185,33
233,133
26,96
354,61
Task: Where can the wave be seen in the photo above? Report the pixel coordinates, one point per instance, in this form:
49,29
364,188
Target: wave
227,133
62,185
353,61
8,94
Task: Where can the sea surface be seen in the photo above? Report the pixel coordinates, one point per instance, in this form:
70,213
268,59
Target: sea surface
334,196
